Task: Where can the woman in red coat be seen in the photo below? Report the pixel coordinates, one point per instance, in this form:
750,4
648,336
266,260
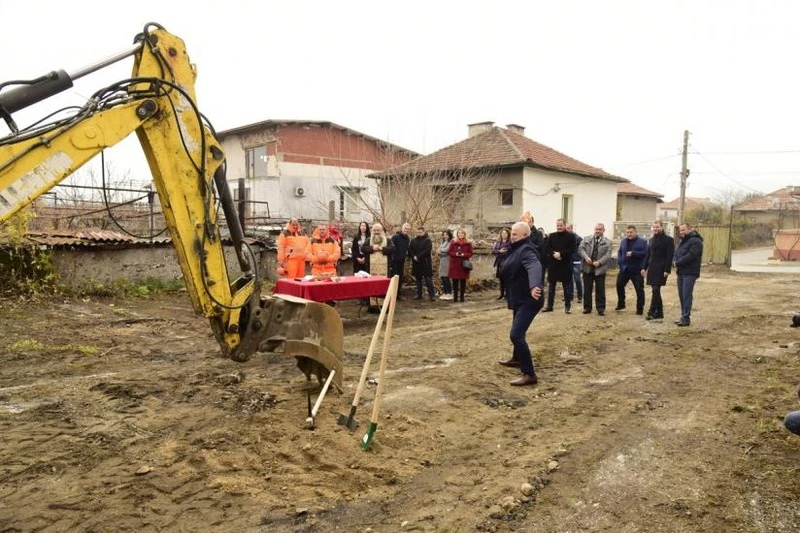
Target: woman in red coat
460,250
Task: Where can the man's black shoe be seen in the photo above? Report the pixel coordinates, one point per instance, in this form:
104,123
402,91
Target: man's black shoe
547,310
619,308
683,323
587,311
568,310
601,313
640,313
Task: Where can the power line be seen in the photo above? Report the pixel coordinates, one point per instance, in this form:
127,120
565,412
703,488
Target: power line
645,161
752,152
715,167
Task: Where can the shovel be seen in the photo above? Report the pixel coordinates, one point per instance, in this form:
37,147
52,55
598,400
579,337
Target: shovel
349,420
366,440
313,412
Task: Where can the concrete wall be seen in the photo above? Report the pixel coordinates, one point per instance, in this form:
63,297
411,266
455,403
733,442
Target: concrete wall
84,266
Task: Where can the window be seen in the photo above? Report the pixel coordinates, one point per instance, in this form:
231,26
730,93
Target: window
349,201
566,207
256,161
506,196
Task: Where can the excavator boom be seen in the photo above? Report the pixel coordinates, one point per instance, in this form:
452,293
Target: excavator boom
188,169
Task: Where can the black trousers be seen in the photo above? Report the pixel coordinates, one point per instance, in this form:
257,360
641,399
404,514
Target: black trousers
638,285
397,269
551,291
459,288
656,304
589,282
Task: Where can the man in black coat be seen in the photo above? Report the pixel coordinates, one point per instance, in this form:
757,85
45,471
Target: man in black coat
421,264
397,262
559,249
522,274
688,257
657,266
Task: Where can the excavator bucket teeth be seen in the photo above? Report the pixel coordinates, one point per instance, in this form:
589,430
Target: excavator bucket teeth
309,331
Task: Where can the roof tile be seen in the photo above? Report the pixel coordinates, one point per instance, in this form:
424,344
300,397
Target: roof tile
497,147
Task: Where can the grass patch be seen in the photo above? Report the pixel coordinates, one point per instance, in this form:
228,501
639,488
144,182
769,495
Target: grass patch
32,345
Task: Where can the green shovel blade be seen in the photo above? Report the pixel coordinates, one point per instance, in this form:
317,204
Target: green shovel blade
366,440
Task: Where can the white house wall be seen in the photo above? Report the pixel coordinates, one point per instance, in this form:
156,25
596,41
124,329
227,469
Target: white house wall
593,200
319,183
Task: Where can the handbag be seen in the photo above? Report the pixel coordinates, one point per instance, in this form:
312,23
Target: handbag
466,264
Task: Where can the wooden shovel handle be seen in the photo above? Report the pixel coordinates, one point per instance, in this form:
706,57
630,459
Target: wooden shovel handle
391,295
322,394
384,357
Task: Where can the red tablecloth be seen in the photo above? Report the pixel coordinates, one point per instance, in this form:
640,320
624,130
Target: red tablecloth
348,288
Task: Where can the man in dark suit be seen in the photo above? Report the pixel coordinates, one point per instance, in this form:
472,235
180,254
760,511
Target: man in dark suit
522,275
657,266
559,249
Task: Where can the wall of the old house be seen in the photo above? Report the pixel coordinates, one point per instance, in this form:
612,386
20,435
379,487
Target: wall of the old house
637,208
544,193
309,169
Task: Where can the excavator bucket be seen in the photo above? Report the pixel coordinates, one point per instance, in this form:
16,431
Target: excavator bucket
309,331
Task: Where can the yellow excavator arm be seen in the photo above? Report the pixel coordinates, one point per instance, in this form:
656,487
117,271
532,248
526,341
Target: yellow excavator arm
188,169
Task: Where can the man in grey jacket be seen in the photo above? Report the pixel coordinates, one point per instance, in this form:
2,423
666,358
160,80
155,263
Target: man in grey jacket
595,251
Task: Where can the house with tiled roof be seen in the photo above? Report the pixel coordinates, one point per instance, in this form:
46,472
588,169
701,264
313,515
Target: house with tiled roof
309,169
487,180
669,211
779,209
636,204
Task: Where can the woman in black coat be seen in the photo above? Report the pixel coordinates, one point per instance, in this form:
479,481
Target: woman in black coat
360,259
657,267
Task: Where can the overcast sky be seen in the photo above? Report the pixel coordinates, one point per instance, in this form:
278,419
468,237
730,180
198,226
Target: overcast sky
612,83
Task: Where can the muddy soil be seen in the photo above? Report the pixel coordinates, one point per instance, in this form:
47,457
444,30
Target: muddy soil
121,416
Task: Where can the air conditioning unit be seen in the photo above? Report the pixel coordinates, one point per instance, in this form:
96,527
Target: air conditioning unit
299,191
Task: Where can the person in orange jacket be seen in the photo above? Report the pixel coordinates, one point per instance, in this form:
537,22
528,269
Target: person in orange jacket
293,246
324,252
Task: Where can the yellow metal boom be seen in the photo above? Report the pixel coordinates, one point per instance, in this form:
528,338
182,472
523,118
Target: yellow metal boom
188,169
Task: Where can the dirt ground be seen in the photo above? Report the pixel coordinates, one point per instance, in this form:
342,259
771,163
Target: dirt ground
121,416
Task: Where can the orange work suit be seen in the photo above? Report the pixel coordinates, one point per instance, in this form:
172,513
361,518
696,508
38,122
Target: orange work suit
292,251
324,254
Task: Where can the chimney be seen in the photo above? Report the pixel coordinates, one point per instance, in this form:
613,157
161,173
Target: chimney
516,128
478,127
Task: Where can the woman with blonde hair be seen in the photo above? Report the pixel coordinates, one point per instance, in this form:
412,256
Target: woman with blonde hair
460,250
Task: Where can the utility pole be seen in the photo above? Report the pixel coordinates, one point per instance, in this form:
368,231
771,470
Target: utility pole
684,175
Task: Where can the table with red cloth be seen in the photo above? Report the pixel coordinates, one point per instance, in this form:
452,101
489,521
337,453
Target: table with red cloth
348,288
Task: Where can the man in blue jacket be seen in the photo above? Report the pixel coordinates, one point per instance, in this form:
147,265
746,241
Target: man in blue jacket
688,256
522,273
630,259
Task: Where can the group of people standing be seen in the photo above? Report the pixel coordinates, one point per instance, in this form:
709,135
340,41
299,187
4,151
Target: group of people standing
581,263
376,253
522,261
295,249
